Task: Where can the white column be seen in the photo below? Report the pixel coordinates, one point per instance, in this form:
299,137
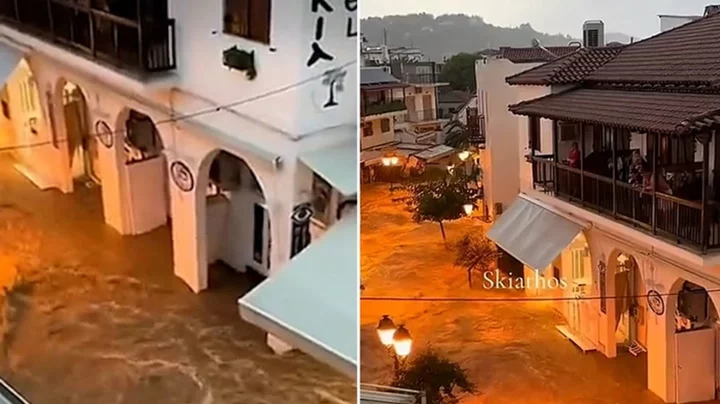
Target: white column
114,197
188,232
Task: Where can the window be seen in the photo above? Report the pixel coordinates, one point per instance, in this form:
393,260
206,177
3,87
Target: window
534,138
367,129
248,19
322,193
385,125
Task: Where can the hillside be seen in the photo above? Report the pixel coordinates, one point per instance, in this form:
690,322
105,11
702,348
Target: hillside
446,35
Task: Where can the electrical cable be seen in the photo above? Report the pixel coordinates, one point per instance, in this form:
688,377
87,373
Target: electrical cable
520,299
190,115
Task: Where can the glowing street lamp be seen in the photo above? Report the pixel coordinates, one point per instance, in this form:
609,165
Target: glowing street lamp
386,329
464,155
402,342
450,168
468,209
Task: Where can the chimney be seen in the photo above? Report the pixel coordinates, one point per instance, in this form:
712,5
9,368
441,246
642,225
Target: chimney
712,9
593,34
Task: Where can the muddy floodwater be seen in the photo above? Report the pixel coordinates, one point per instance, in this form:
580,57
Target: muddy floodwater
89,316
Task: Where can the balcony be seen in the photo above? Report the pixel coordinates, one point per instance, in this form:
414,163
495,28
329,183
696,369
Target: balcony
383,107
420,78
142,47
423,115
682,220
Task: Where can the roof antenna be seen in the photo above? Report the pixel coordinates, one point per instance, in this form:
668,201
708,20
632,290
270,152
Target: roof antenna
536,44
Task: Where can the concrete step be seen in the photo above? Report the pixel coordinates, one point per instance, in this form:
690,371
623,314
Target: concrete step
583,343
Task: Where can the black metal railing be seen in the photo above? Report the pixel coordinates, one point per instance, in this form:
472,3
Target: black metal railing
145,46
674,218
420,78
383,107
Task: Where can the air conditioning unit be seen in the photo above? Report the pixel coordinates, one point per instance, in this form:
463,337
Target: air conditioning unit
593,34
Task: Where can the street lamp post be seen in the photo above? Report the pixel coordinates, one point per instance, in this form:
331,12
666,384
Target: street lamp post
397,340
390,161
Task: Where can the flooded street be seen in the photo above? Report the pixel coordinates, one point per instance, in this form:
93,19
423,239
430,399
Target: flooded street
511,350
89,316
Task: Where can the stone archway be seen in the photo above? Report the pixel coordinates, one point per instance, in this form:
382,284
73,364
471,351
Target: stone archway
234,219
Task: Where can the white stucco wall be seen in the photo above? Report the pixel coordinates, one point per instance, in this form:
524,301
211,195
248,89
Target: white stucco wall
668,22
378,137
504,149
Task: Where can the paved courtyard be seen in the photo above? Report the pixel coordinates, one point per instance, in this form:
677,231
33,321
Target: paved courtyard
89,316
511,350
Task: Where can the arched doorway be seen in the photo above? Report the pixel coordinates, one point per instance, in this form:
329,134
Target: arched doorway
693,341
576,265
83,147
237,222
630,306
146,174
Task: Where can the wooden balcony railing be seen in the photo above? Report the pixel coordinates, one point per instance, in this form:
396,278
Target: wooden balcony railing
144,46
666,215
383,107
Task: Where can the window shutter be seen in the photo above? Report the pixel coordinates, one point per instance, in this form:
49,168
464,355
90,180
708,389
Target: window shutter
236,17
260,20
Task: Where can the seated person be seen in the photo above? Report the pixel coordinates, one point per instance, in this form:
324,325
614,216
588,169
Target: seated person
635,176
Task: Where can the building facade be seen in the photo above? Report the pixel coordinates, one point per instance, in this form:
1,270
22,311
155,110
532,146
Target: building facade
212,119
623,179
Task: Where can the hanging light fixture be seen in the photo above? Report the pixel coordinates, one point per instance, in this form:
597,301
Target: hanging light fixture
386,329
402,342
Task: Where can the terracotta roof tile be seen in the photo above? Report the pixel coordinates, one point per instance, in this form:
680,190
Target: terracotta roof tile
572,68
687,54
661,112
536,54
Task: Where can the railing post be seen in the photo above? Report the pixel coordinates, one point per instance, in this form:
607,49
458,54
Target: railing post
93,47
50,18
704,139
17,10
556,154
582,164
656,145
615,169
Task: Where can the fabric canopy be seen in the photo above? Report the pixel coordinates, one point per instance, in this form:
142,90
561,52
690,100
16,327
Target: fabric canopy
312,303
533,234
337,164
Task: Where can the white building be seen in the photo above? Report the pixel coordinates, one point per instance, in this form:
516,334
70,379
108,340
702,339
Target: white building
233,126
501,156
668,22
645,256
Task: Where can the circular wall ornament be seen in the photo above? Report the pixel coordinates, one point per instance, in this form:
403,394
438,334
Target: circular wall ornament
302,214
104,133
182,176
656,302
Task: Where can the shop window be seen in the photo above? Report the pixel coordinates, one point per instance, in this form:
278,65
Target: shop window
248,19
322,194
385,125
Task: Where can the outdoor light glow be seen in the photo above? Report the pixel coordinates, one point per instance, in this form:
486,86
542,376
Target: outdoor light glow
386,330
450,168
468,209
394,161
390,161
402,342
386,161
464,155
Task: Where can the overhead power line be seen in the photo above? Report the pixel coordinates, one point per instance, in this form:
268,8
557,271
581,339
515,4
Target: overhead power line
521,299
190,115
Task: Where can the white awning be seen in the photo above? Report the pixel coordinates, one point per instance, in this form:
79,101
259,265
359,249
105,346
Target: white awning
337,164
312,303
9,59
533,234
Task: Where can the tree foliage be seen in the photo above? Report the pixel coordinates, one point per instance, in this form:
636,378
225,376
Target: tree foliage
440,378
459,71
458,135
475,251
443,199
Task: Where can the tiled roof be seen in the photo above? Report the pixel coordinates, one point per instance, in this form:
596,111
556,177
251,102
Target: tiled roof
376,75
688,54
572,68
645,111
536,54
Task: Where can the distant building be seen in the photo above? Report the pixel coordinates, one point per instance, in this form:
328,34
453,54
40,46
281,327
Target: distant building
668,22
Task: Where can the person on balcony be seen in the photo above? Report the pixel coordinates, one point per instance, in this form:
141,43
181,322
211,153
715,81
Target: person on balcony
636,168
574,156
649,184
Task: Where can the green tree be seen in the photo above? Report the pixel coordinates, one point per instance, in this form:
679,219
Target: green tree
439,377
458,135
475,251
459,71
441,200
